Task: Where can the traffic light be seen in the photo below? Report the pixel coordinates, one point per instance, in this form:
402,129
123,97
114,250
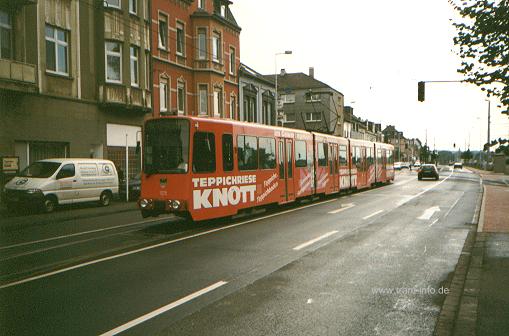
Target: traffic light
420,91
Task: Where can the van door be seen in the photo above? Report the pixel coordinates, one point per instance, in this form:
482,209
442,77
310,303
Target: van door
66,183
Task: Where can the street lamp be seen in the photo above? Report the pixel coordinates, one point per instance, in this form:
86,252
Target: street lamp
489,120
287,52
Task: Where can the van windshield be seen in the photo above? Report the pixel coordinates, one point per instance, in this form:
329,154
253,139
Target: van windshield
40,169
166,146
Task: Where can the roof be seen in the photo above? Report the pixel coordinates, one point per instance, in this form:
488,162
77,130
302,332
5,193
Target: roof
299,81
249,72
60,160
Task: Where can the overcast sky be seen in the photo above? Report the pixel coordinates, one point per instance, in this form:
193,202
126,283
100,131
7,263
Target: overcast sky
374,52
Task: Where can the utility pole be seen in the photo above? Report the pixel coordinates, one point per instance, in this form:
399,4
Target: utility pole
489,120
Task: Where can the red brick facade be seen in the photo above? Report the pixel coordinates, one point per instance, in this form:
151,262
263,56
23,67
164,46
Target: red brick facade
181,65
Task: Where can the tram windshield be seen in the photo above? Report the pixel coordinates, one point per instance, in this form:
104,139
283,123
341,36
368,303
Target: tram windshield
166,146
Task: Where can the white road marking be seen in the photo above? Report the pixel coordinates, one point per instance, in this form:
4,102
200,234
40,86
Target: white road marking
83,233
453,205
312,241
480,224
373,214
436,220
70,268
428,213
163,309
343,208
424,191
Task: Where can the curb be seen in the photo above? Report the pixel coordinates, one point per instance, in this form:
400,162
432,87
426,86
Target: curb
458,316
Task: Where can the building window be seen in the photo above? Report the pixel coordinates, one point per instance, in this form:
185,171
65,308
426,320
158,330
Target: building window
163,31
5,36
202,43
113,62
181,39
163,95
216,47
288,98
232,61
56,50
147,70
201,4
313,116
134,52
218,102
133,6
290,117
203,103
312,97
232,107
181,97
112,3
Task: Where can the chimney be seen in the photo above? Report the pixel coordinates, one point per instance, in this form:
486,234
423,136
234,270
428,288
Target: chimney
311,72
283,72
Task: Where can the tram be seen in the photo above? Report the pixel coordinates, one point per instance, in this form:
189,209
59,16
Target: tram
202,168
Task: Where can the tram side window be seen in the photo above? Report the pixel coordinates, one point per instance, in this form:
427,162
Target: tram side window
322,154
247,151
227,152
359,158
342,156
281,160
204,152
379,157
300,154
267,153
370,156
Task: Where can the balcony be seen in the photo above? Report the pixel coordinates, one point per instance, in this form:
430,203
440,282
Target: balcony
130,98
17,76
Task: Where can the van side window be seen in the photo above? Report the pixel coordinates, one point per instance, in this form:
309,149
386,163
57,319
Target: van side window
66,171
227,152
204,152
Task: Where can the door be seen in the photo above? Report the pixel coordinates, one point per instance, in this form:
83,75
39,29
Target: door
362,170
286,169
333,167
67,184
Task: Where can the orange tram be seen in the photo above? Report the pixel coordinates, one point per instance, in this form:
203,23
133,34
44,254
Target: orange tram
208,168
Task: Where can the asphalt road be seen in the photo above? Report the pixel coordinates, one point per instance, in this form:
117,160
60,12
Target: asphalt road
370,263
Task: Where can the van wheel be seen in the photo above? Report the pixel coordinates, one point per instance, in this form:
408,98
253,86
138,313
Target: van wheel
49,204
105,198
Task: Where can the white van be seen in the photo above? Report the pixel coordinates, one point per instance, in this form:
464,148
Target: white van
62,181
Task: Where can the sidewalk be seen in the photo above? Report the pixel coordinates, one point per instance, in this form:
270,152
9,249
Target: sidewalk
18,221
478,303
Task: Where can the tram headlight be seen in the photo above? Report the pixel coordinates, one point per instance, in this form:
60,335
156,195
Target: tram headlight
175,205
144,203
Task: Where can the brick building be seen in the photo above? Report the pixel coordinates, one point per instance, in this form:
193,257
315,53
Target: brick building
196,57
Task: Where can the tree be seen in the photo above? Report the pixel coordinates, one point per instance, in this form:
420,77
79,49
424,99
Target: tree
483,41
467,155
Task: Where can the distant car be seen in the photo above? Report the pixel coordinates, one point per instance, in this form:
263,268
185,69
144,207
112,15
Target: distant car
134,188
417,164
458,165
397,165
405,165
429,171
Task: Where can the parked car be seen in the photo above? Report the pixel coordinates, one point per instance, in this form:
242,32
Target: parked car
48,183
417,164
458,165
397,165
134,188
428,171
